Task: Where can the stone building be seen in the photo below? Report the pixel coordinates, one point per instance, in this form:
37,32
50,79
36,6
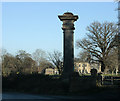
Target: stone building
82,67
51,71
85,67
97,66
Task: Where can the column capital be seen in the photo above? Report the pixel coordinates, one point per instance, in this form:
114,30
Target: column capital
68,20
68,16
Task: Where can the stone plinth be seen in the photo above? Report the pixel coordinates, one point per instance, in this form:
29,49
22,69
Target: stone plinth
68,20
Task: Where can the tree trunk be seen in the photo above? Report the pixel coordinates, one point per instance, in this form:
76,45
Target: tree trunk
112,72
102,66
59,70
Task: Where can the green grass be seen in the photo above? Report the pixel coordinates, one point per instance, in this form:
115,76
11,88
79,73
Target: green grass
111,75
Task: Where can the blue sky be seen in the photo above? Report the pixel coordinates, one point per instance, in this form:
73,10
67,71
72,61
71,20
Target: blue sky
30,26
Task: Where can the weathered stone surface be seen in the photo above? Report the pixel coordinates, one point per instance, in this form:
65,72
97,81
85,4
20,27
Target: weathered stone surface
118,47
68,20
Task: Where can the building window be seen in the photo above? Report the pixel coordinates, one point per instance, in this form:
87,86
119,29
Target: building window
84,65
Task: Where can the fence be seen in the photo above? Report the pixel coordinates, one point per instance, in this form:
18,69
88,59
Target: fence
110,80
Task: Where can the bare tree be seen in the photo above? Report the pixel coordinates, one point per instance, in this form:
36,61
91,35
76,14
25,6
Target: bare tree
84,56
44,65
39,56
56,59
99,41
112,61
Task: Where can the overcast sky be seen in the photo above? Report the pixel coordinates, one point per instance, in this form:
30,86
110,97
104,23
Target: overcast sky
30,26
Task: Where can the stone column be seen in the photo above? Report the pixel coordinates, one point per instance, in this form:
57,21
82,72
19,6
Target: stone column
68,20
118,37
118,53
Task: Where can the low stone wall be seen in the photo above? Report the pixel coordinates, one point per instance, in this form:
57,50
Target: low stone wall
82,83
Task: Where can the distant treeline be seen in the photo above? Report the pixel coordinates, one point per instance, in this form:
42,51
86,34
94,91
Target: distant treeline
25,63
